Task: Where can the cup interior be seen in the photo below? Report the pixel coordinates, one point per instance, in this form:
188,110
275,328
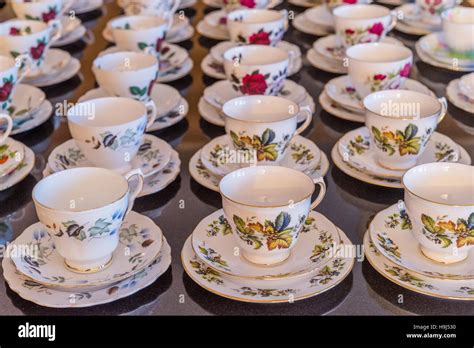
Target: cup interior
137,22
80,189
266,186
403,103
459,15
255,16
378,52
125,61
256,55
260,108
361,11
6,63
106,112
21,27
442,183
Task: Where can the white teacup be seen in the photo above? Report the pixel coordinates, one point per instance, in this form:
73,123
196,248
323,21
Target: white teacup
109,131
126,74
378,66
332,4
431,10
12,71
256,69
440,204
266,208
42,10
29,37
83,209
257,27
161,8
233,5
400,123
356,24
458,29
4,134
139,33
263,125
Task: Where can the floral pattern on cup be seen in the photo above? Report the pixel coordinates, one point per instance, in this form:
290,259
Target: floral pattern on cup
130,137
261,37
256,83
444,231
6,154
264,145
404,142
14,31
276,234
46,16
363,35
6,90
392,80
142,45
36,52
246,3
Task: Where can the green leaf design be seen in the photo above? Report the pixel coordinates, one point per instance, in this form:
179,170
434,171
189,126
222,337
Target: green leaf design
377,134
100,227
268,136
282,221
240,224
429,223
142,45
138,91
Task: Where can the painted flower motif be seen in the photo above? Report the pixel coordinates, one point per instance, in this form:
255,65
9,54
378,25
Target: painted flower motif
444,231
6,89
377,29
349,1
15,31
405,142
390,80
223,20
349,31
405,72
379,77
50,15
37,52
248,3
266,149
159,43
254,84
260,38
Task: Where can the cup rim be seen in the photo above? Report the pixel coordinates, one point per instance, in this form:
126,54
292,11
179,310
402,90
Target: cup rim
445,13
270,205
362,6
65,172
281,16
434,164
138,55
42,24
382,45
256,47
156,18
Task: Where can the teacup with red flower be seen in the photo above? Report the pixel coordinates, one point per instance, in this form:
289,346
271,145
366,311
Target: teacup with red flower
332,4
127,74
431,10
362,23
458,31
232,5
257,27
12,71
139,33
378,66
256,69
29,37
41,10
161,8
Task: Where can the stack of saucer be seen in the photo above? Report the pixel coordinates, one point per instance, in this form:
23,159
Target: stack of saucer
305,3
72,31
413,22
81,7
317,21
460,92
16,162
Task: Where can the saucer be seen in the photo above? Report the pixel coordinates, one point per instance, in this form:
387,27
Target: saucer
216,19
65,73
355,173
341,91
321,17
304,3
265,291
424,57
211,181
356,148
25,122
441,288
220,3
434,45
140,242
390,231
81,33
214,244
215,33
212,68
54,62
182,35
412,22
20,172
301,154
81,7
75,298
456,97
153,155
12,153
302,24
334,109
320,62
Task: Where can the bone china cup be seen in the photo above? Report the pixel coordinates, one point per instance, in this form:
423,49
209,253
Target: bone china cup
430,10
256,69
30,37
356,24
82,209
43,10
400,123
378,66
266,208
139,33
109,131
258,27
440,204
458,29
160,8
332,4
263,125
12,71
126,74
233,5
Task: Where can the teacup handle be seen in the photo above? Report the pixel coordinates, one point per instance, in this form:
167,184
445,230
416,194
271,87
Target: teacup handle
285,13
291,58
171,13
7,131
133,194
56,32
25,61
309,118
393,22
444,109
322,192
151,112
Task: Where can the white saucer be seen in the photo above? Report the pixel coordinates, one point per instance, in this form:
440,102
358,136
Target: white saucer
81,7
12,153
33,119
75,298
456,97
217,19
321,17
336,110
64,74
434,45
412,22
301,23
431,61
81,33
183,35
304,3
55,61
214,243
25,101
215,33
320,62
138,234
20,172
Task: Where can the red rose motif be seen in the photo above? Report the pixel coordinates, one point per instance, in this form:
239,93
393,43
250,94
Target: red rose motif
260,38
15,31
253,84
5,91
379,77
223,20
350,31
37,52
158,44
349,1
405,72
350,90
377,29
150,87
248,3
48,16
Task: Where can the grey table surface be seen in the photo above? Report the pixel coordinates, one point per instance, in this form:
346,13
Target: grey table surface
348,203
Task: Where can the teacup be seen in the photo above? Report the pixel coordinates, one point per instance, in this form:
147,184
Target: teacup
4,135
161,8
356,24
466,85
378,66
263,125
332,4
126,74
440,204
109,131
400,124
266,207
12,71
232,5
258,27
256,69
139,33
82,209
30,37
458,30
42,10
431,10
